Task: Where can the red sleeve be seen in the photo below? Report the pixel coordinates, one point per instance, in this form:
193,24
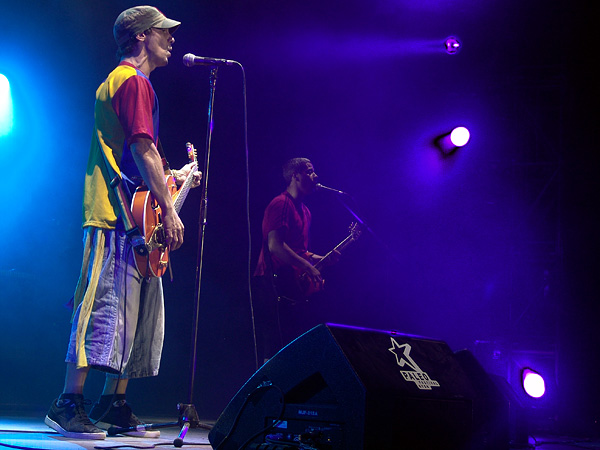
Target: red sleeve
133,103
278,214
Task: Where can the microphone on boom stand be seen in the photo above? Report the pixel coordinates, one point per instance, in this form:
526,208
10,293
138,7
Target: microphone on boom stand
320,187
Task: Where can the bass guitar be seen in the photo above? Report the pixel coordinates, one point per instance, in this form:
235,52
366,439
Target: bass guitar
294,285
148,217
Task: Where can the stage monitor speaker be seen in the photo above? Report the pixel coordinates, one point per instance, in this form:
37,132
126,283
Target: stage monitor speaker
338,387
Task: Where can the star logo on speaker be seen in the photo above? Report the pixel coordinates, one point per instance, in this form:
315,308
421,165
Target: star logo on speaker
416,375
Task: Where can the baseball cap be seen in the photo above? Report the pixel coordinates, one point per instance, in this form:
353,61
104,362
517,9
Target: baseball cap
138,19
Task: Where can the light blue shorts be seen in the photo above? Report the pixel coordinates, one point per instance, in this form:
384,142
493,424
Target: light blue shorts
126,329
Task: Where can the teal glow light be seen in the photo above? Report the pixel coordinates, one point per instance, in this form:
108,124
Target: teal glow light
6,107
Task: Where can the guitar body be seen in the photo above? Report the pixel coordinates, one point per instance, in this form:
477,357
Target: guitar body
147,215
294,285
148,218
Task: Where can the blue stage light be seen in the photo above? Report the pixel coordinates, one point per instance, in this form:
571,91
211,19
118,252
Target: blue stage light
6,107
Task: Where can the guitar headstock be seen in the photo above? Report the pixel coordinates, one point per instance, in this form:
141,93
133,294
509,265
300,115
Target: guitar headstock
192,154
354,230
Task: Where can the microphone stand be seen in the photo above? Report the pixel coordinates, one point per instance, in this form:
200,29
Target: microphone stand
188,416
362,223
348,207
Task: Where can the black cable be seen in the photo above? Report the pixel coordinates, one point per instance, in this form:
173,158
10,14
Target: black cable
263,385
283,442
19,447
170,443
158,444
128,446
268,427
248,225
301,445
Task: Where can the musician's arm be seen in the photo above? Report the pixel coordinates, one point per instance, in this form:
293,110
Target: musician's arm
279,248
332,258
149,163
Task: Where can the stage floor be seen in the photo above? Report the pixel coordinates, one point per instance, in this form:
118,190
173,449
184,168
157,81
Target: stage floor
32,433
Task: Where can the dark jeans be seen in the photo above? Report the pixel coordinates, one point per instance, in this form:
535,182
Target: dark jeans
278,322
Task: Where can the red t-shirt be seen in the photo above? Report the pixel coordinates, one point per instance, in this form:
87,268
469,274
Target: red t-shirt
294,217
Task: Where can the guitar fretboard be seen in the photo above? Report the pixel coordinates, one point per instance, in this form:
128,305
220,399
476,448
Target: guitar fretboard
184,190
354,234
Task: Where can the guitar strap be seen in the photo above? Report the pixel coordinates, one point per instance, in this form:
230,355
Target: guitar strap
131,229
161,152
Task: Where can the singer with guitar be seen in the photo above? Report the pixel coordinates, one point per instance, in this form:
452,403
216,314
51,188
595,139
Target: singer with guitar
285,233
118,314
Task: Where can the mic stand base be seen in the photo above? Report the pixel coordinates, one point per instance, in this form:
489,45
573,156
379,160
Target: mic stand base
188,414
188,418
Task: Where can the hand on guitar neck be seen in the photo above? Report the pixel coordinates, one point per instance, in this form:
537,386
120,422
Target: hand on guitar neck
182,174
331,258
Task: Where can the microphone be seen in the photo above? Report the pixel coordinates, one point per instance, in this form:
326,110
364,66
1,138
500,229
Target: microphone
326,188
191,60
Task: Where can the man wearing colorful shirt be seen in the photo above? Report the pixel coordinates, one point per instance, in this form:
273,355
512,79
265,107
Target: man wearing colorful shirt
118,319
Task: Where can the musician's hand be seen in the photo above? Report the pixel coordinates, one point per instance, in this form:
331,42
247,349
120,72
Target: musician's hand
182,174
314,258
173,227
332,258
314,274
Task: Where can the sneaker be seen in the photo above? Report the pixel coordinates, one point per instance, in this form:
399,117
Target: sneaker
118,414
67,416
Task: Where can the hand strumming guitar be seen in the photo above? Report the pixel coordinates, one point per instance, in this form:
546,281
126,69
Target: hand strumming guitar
279,248
313,273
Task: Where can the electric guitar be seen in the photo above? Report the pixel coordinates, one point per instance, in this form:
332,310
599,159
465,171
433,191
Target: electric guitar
294,284
148,217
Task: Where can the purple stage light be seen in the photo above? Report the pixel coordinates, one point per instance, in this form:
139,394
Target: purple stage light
449,142
452,45
533,383
460,136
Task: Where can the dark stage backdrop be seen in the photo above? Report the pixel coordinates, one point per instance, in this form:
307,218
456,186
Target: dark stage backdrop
495,243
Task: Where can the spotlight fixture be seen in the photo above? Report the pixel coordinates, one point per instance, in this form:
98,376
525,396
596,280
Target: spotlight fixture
452,45
449,142
6,107
533,383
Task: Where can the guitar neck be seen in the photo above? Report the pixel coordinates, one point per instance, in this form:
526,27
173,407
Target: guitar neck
183,191
340,248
